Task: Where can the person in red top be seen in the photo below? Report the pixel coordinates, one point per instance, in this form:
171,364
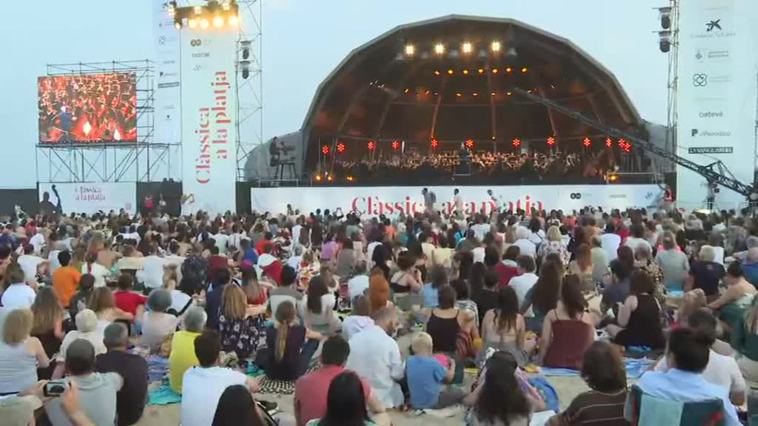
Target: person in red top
506,269
256,293
311,389
265,241
216,261
128,300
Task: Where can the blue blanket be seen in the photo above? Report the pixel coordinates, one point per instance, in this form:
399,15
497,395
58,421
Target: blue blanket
163,395
634,369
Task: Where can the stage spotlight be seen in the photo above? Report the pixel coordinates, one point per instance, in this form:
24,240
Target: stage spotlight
524,70
495,46
371,145
396,145
495,70
458,94
508,70
330,178
516,143
178,25
450,71
465,72
349,178
665,16
434,143
341,148
508,93
218,21
436,72
198,10
613,178
245,48
410,50
192,23
550,141
466,47
245,68
318,177
475,94
204,24
469,143
234,21
587,142
439,48
608,143
481,70
325,149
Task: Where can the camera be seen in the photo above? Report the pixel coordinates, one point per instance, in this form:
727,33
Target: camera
55,388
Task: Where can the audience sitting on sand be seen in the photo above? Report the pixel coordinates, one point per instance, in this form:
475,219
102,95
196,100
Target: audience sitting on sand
393,308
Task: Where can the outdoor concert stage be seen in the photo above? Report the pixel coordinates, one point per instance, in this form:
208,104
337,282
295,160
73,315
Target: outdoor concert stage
391,200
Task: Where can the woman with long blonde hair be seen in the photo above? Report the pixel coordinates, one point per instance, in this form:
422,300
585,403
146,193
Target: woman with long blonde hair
240,326
47,325
290,345
20,353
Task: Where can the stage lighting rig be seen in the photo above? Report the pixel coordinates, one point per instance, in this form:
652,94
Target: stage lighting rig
219,15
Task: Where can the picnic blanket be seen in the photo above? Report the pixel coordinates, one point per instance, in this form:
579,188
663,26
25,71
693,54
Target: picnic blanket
163,395
634,369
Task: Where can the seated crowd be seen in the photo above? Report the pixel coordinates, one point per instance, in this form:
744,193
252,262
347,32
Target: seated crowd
365,315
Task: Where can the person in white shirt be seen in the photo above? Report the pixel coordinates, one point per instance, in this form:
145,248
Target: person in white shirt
222,241
18,295
38,241
721,370
525,246
525,279
610,242
481,229
358,284
375,356
31,263
296,259
458,203
151,274
203,384
296,231
174,258
100,272
637,238
235,239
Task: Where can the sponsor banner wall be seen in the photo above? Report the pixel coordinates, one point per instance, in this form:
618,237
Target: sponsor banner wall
208,105
373,201
716,94
91,197
166,44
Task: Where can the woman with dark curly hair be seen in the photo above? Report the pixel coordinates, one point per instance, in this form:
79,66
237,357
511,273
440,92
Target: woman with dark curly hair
603,371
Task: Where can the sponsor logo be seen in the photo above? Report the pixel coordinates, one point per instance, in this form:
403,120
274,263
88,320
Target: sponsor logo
616,196
710,150
711,114
714,24
699,80
196,42
168,85
711,55
201,55
575,196
648,195
168,62
167,74
710,133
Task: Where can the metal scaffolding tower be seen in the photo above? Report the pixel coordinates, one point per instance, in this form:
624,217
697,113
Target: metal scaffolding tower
249,81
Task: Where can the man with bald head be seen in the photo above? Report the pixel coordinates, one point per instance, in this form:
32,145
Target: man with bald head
130,400
97,391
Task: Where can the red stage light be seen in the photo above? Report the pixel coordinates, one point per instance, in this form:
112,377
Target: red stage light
371,145
395,145
622,143
469,143
435,143
341,147
550,141
516,143
587,142
608,143
325,149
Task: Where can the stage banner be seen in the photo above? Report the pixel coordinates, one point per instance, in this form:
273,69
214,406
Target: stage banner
390,201
90,197
166,45
208,104
716,94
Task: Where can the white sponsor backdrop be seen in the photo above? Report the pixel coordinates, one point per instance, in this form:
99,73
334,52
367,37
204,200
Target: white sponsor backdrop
166,44
392,200
92,197
716,93
208,108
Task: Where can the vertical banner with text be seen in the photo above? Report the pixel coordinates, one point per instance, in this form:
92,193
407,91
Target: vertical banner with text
716,94
166,42
208,107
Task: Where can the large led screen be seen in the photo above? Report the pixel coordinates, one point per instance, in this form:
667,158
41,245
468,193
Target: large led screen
88,108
